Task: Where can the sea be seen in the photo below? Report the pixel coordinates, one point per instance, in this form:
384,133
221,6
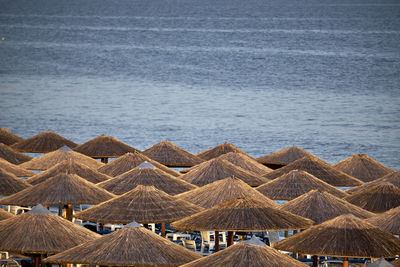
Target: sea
323,75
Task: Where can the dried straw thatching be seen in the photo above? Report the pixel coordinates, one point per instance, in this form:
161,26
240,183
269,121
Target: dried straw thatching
11,184
319,169
129,161
222,190
12,156
51,159
245,162
40,232
380,263
144,204
244,255
396,263
8,138
388,221
294,184
322,206
244,215
70,166
393,178
104,146
146,174
4,215
218,169
61,189
171,155
130,246
17,170
42,143
363,167
343,236
217,151
379,198
283,157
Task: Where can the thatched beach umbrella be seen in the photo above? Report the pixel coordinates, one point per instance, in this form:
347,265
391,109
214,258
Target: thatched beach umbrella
146,174
104,147
220,191
379,198
8,138
70,166
319,169
388,221
171,155
294,184
396,263
51,159
129,161
393,178
283,157
217,151
218,169
245,162
11,184
17,170
4,215
343,236
12,156
322,206
42,143
363,167
130,246
380,263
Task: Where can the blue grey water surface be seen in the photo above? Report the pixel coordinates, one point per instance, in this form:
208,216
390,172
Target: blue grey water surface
262,74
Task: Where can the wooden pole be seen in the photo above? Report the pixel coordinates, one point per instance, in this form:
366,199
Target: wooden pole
216,240
230,238
105,160
60,210
315,261
102,160
286,234
68,213
146,225
101,227
163,229
346,262
36,260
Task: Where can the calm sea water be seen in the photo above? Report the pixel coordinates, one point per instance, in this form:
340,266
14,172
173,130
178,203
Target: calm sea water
263,75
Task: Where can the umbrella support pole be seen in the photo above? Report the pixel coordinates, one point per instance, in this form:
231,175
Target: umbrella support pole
286,234
346,262
163,229
315,261
230,238
60,210
104,160
68,212
36,260
216,240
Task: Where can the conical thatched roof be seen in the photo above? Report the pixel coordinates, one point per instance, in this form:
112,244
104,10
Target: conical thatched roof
217,151
149,175
61,189
294,184
243,215
171,155
51,159
8,138
11,184
129,161
40,232
12,156
343,236
5,214
396,263
393,178
17,170
379,198
284,156
380,263
218,169
222,190
388,221
245,162
322,206
70,166
244,255
144,204
363,167
319,169
42,143
129,246
104,146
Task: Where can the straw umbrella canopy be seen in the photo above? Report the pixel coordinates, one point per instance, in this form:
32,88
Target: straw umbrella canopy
17,170
379,198
8,138
283,157
322,206
245,254
130,246
218,169
246,162
396,263
144,204
393,178
380,263
294,184
42,143
220,191
4,215
171,155
129,161
11,184
319,169
146,174
388,221
363,167
50,159
12,156
219,150
73,167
